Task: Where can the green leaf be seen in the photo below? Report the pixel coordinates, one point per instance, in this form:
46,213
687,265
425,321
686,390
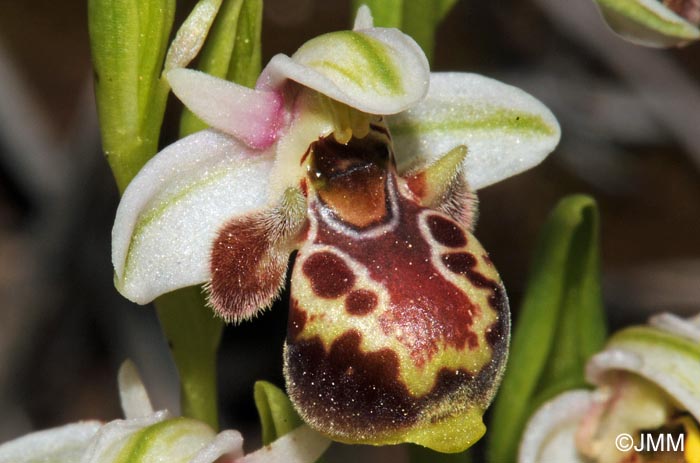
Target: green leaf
417,18
231,52
561,323
128,39
277,415
193,333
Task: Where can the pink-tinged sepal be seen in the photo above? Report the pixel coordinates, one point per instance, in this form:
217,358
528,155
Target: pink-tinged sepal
249,258
442,186
252,116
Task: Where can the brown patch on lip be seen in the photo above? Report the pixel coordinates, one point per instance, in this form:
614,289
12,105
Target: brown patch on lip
417,184
351,179
361,302
330,277
426,311
356,395
247,268
446,232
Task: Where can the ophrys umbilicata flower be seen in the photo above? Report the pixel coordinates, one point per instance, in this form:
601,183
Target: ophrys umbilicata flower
647,384
352,153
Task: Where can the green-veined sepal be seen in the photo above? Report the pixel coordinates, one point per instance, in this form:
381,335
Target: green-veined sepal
648,22
170,214
376,70
505,130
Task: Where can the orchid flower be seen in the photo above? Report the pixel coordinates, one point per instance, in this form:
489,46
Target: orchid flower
353,153
146,436
647,383
653,23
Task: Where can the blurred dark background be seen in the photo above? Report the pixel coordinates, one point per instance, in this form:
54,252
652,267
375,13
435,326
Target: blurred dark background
630,137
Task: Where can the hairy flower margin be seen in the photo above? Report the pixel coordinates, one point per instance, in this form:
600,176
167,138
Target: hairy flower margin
225,207
647,380
148,436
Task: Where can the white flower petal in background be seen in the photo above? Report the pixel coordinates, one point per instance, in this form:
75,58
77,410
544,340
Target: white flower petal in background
156,438
301,445
132,393
644,377
549,435
647,22
377,71
671,362
65,444
505,129
169,216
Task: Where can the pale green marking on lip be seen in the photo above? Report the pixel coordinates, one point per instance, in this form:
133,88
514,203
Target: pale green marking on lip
155,213
375,57
503,120
643,15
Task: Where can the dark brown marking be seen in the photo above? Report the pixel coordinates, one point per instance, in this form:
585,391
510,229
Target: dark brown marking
426,311
360,302
417,184
464,263
446,232
304,187
356,394
305,155
330,277
351,179
247,269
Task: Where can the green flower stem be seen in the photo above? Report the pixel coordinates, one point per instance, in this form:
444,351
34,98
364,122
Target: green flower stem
193,334
561,323
129,39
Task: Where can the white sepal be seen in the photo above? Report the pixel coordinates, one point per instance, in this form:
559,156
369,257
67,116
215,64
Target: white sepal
505,129
64,444
647,22
252,116
302,445
171,212
376,70
134,398
363,19
109,441
549,435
